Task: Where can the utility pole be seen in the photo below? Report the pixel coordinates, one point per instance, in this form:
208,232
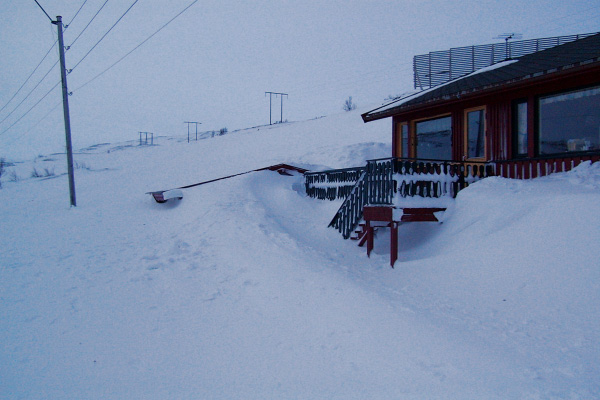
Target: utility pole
270,96
146,141
188,124
65,95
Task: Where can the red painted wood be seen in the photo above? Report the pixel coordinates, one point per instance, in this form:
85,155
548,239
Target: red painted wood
393,243
419,218
369,239
378,213
363,239
422,210
158,196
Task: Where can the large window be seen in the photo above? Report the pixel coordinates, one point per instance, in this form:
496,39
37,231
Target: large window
520,128
569,121
475,133
434,138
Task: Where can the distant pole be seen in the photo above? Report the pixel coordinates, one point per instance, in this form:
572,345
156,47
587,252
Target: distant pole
188,124
270,107
65,95
507,37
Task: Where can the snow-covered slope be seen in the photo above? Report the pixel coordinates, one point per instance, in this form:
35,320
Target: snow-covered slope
241,291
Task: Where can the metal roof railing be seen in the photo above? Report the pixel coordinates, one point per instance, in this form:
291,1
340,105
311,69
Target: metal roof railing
438,67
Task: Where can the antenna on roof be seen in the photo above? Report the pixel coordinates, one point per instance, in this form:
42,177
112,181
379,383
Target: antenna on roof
507,37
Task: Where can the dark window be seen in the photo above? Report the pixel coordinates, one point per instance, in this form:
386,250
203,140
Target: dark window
434,138
475,133
569,121
404,140
520,128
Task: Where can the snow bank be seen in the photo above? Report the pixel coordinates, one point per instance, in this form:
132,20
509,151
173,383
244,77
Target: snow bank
241,291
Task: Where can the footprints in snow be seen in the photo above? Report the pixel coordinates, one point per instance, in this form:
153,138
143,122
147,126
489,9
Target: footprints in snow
180,253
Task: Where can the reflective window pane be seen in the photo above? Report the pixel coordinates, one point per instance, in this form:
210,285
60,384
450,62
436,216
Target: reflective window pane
434,138
476,134
570,122
521,128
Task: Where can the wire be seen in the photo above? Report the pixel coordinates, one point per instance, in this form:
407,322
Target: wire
75,16
29,77
42,8
118,61
103,36
31,91
32,107
136,47
88,24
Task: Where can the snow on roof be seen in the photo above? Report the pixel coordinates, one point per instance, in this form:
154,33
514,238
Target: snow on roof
416,94
579,52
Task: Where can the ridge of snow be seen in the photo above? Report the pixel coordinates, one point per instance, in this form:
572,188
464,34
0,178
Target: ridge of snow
241,291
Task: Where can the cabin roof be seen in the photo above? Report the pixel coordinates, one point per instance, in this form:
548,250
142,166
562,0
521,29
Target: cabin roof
577,53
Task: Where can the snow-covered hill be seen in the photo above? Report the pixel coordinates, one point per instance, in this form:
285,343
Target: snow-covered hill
241,291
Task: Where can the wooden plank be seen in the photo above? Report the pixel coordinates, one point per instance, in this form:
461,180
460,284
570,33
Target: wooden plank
419,218
378,213
393,243
429,210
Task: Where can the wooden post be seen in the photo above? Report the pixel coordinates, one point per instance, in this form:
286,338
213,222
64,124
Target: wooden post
369,238
393,243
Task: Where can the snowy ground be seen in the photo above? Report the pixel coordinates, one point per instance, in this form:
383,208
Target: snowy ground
241,291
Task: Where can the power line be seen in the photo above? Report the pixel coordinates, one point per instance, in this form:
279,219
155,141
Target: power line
88,24
136,47
42,8
103,36
95,77
31,91
29,77
32,107
75,16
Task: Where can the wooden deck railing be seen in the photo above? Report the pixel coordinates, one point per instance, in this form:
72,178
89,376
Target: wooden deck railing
541,166
393,178
391,181
384,180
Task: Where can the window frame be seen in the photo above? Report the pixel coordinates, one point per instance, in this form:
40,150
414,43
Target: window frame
466,134
413,142
538,116
515,127
400,150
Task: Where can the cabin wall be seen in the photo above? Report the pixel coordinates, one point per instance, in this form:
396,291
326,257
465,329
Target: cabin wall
499,144
500,140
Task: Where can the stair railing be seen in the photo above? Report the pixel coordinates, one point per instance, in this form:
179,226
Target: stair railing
350,212
332,184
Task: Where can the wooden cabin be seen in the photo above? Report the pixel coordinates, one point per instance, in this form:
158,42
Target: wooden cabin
540,108
531,112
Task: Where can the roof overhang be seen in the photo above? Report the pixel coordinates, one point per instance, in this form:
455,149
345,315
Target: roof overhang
412,104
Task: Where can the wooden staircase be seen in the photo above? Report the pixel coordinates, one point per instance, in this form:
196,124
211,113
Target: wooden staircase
360,234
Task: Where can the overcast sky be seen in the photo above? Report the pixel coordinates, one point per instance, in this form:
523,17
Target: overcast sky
214,63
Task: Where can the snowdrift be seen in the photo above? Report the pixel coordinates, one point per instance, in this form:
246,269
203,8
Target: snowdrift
241,291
